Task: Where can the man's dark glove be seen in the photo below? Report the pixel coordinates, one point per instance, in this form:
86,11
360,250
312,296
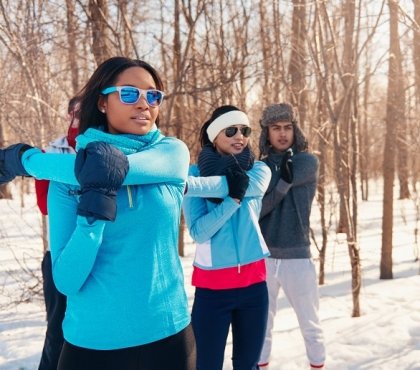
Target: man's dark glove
10,162
100,169
286,167
238,182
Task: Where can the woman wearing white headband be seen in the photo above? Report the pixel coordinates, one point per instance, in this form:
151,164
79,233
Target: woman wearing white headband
221,209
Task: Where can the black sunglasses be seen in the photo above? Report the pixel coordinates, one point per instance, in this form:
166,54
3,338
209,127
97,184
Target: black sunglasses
231,131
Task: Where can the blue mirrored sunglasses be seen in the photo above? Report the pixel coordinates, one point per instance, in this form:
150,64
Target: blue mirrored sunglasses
131,95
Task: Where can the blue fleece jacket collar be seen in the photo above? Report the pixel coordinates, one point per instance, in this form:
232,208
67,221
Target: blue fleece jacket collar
127,143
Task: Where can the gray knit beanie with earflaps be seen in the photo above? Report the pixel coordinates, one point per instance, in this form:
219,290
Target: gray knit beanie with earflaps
282,112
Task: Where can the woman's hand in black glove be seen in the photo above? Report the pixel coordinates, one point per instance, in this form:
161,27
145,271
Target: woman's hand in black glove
238,182
10,162
100,169
286,167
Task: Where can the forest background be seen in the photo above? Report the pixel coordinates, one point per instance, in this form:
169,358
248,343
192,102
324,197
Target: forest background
352,69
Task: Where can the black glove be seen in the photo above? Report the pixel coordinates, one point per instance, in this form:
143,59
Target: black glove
238,182
286,167
100,169
10,162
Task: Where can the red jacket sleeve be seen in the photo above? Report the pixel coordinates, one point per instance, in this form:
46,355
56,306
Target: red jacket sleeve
41,190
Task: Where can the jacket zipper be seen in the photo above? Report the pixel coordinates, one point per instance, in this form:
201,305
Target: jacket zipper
237,253
130,197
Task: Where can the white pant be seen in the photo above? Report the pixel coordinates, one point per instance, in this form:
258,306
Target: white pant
298,279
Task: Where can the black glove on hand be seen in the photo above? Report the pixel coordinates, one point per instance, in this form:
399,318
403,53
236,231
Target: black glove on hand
286,167
10,162
100,169
238,182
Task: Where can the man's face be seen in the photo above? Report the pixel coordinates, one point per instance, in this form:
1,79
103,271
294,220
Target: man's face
281,135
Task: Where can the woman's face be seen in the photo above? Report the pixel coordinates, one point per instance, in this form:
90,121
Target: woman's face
231,145
135,118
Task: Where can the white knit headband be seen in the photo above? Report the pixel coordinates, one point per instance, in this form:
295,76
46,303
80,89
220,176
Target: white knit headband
234,117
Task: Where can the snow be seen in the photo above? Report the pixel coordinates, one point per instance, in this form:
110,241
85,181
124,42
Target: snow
385,337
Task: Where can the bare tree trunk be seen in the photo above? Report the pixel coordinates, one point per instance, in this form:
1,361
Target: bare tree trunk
100,40
177,65
393,117
364,140
344,160
402,157
354,133
221,57
322,149
324,67
5,192
402,140
125,29
242,55
178,103
266,47
72,45
416,47
350,116
298,57
277,52
44,231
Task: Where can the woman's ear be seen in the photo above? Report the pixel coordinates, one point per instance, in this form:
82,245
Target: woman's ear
102,104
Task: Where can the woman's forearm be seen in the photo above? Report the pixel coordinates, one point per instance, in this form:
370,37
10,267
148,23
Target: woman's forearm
162,163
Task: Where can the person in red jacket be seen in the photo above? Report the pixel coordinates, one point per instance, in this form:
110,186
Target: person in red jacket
55,302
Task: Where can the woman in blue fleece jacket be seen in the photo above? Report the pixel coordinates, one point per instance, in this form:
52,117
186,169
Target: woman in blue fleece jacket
127,307
221,209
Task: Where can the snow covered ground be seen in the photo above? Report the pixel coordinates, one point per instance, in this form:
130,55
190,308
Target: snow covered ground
385,337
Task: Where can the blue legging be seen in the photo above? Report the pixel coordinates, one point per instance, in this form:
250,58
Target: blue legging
215,310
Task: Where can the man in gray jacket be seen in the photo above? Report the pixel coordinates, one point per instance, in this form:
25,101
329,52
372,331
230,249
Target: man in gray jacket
284,222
